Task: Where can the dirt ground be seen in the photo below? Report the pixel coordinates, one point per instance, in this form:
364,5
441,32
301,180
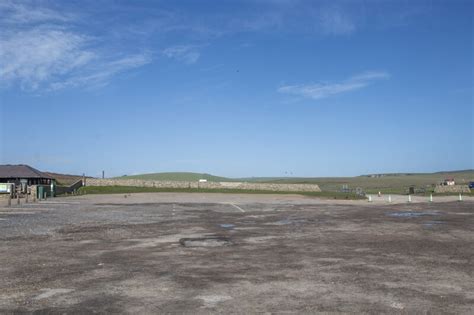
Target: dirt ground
222,253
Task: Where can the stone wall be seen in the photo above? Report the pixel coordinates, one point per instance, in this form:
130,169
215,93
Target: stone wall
439,189
33,189
4,199
206,185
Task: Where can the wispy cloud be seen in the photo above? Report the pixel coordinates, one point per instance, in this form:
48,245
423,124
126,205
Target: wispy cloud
14,12
38,55
317,91
102,73
291,17
184,53
334,21
41,49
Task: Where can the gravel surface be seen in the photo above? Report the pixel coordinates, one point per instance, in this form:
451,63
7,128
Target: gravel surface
225,253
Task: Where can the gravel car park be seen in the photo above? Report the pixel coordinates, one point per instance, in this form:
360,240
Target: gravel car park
224,253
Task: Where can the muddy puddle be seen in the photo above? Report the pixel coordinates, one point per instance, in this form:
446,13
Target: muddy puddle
432,224
290,221
227,226
412,214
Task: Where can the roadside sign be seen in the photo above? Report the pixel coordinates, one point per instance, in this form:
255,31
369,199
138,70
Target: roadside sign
5,188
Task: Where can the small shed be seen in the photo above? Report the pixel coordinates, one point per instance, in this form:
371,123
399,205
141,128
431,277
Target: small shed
24,176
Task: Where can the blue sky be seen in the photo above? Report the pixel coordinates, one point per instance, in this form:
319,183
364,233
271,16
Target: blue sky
237,88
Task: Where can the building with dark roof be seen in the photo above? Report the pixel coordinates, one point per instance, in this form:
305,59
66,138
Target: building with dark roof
23,175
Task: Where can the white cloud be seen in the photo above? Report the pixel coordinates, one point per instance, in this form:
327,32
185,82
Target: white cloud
35,56
41,49
322,90
185,53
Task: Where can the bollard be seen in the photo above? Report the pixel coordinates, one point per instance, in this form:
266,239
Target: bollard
370,198
460,197
389,198
409,198
18,199
45,196
9,200
26,198
431,197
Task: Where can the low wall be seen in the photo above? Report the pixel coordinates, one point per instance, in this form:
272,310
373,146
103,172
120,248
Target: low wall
4,199
439,189
60,190
206,185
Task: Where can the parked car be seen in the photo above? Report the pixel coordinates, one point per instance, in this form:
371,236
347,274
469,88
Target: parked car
471,185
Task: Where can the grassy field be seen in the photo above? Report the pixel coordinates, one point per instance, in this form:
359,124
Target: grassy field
396,183
389,183
129,190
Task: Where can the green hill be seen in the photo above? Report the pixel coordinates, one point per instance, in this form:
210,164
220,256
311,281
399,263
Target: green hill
387,183
178,176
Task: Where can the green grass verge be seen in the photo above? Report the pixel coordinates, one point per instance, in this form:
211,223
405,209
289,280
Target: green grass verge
130,190
471,194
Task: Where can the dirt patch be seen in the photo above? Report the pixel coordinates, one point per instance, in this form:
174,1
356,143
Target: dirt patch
208,241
